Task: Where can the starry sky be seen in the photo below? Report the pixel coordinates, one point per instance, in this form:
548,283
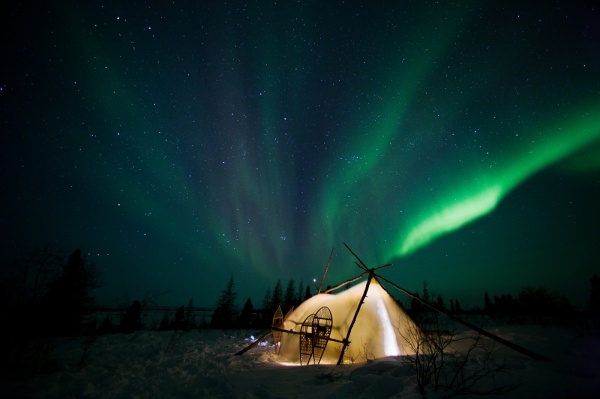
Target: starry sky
180,143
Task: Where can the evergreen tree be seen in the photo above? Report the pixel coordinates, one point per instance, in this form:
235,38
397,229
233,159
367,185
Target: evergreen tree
266,308
226,310
246,319
458,309
106,327
132,319
299,299
289,298
277,297
165,323
179,320
307,293
439,303
190,317
416,306
487,303
541,301
68,294
426,295
266,303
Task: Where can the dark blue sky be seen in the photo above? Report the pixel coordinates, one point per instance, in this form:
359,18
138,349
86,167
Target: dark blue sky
180,144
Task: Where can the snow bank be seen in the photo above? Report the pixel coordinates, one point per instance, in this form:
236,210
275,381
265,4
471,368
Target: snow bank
203,364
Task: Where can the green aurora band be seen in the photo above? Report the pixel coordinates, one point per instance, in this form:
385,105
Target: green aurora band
394,181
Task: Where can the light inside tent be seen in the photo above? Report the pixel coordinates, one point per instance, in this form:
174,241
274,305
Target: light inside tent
390,345
379,329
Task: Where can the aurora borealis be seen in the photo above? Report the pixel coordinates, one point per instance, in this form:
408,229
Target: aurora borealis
179,144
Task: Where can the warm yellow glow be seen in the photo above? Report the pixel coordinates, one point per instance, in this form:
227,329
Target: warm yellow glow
379,331
390,346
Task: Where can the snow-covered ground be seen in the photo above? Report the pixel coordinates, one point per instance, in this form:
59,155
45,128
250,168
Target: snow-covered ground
203,365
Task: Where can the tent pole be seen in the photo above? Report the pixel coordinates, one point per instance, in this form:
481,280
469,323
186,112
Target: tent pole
325,272
362,264
253,344
481,331
340,285
362,299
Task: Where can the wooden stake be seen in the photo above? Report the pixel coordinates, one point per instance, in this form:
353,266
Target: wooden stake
340,285
325,272
253,344
362,299
496,338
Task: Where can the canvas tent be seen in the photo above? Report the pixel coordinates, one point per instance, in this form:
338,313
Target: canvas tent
381,328
364,322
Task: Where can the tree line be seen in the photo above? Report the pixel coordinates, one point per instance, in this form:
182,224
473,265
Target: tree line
530,304
50,293
227,314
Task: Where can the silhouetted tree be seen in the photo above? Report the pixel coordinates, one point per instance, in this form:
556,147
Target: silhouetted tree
33,272
487,303
106,327
270,306
439,303
165,322
426,294
246,319
457,307
179,320
69,294
415,305
289,298
190,318
542,302
266,308
226,310
307,293
132,319
506,304
277,297
299,298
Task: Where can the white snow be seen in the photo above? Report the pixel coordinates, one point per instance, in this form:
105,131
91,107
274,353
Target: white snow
203,365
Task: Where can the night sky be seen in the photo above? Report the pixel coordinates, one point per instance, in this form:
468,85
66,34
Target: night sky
180,143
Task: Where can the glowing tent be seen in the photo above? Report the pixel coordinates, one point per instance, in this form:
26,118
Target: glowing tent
361,323
381,327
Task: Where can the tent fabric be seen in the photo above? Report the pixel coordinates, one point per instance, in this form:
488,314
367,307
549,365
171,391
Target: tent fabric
381,328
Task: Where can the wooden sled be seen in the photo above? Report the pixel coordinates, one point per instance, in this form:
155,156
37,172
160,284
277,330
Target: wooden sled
314,336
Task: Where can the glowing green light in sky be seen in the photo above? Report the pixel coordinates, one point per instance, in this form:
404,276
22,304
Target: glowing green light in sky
298,132
451,218
556,142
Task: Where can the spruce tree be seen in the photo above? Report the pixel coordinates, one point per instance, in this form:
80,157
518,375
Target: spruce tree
69,294
426,294
299,299
247,316
226,310
458,309
487,303
277,297
289,298
307,293
190,317
178,321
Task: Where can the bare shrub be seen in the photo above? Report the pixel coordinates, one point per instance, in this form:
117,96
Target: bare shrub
454,364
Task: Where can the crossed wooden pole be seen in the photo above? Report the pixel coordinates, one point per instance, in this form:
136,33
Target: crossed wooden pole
371,274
